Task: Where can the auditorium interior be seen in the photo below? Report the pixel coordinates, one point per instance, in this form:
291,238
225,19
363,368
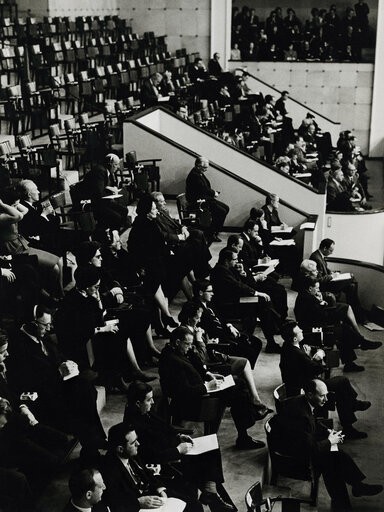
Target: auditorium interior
191,196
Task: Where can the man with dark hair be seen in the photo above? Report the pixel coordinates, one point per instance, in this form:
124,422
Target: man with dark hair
189,245
214,67
280,103
299,363
87,487
130,485
326,277
312,310
229,281
199,188
161,444
240,344
300,434
185,380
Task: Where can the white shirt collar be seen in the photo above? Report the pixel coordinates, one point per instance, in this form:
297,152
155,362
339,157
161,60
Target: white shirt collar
88,509
36,340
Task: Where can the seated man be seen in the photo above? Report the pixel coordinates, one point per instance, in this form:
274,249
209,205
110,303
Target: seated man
327,282
338,198
198,187
240,344
298,364
230,285
87,487
161,444
66,399
184,379
40,225
189,245
130,486
311,310
150,91
301,435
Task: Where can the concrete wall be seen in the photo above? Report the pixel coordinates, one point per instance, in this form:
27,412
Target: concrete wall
39,8
342,92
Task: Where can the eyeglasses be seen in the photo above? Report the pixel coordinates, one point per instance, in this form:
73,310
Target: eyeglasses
98,256
49,324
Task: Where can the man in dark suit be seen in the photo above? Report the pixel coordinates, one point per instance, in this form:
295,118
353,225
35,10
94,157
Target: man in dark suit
40,225
311,310
303,436
189,245
198,187
66,399
184,379
87,487
130,485
299,364
338,198
99,182
214,66
347,286
230,285
240,344
150,90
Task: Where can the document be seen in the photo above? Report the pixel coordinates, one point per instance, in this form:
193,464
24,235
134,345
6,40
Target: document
342,277
228,382
112,196
281,243
373,327
204,444
249,300
265,268
170,505
307,225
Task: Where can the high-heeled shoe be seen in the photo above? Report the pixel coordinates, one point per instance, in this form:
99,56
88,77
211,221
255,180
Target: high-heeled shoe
162,332
168,321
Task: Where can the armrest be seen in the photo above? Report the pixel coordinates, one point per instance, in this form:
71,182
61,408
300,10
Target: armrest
149,160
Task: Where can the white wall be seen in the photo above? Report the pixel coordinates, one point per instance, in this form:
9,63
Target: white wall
341,92
358,236
174,169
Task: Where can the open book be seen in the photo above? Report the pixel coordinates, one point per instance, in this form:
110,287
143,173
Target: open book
281,243
169,505
228,382
265,268
204,444
342,277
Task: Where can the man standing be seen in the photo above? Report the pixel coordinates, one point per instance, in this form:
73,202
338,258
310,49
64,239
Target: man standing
199,188
304,437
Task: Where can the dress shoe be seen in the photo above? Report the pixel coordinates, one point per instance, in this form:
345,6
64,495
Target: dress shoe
352,433
144,376
249,444
272,348
262,411
366,490
370,345
353,367
215,502
362,405
168,321
215,238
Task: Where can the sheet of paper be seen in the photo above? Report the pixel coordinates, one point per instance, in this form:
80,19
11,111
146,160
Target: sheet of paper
204,444
228,382
302,175
278,229
283,242
307,225
112,196
342,277
248,300
170,505
163,99
373,327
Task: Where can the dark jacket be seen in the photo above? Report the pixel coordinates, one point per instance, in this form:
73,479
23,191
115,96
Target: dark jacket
228,286
272,217
297,368
324,274
198,187
148,96
309,312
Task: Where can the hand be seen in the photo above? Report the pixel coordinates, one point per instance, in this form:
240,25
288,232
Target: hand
114,190
31,418
119,298
150,501
216,193
185,232
8,274
116,290
260,277
199,333
319,355
48,210
186,439
110,328
307,349
184,448
212,384
335,437
218,377
233,330
264,296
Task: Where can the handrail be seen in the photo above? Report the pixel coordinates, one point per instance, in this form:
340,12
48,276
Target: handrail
292,99
365,212
244,153
358,263
237,178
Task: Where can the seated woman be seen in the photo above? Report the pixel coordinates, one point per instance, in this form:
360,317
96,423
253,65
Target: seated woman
161,444
149,249
15,245
240,367
125,269
81,317
134,321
